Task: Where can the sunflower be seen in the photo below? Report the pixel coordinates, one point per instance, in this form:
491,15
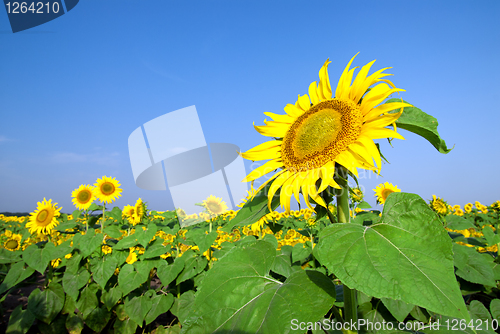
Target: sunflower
250,194
43,219
129,212
382,191
439,205
320,131
468,207
107,189
140,211
215,205
13,243
356,194
83,197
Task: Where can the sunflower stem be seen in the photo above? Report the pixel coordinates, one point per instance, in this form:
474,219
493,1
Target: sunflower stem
350,302
103,219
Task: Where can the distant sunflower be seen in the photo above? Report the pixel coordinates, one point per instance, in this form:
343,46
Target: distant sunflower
382,191
439,205
468,207
128,212
356,194
13,243
320,131
107,189
250,194
140,210
215,205
83,197
44,218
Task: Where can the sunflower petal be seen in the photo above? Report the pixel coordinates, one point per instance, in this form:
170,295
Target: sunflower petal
386,107
358,84
280,118
313,93
325,91
340,86
277,183
272,129
293,110
303,102
378,133
383,121
266,168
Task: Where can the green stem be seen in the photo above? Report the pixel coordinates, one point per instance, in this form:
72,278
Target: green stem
103,219
350,302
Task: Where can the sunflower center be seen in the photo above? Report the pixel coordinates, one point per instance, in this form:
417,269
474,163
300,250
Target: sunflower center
214,208
11,244
107,188
42,217
320,134
386,192
84,196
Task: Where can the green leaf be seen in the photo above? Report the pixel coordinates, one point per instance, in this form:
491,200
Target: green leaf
473,266
364,205
8,256
490,236
480,315
127,242
238,295
415,120
192,267
407,256
300,252
115,213
73,264
201,239
495,308
69,305
182,306
57,326
398,308
253,209
160,304
38,258
74,324
111,297
144,237
103,269
98,319
47,304
129,279
72,283
155,249
137,308
457,223
113,231
127,326
87,243
20,321
17,273
283,263
168,272
88,300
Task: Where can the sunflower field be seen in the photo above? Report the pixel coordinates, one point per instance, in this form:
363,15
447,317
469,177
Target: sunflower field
334,266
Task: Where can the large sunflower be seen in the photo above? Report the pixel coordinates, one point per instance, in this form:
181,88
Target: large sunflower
215,205
107,189
83,197
44,218
319,131
13,243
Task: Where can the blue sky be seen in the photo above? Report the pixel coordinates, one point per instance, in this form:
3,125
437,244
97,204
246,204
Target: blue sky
72,90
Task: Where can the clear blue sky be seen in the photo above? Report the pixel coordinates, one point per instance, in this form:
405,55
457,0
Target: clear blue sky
72,90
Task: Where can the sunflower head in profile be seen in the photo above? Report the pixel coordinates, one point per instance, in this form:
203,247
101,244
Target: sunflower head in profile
323,129
107,189
140,210
13,243
356,195
214,205
44,218
382,191
439,205
83,197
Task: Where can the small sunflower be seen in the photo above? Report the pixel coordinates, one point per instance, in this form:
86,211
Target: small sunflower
322,130
83,197
356,194
468,207
13,243
439,205
129,212
140,210
132,257
250,194
382,191
496,206
44,218
107,189
215,205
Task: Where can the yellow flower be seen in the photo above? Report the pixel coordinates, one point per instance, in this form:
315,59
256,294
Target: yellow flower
468,207
107,189
132,257
44,218
320,131
83,197
496,206
356,194
106,249
215,205
382,191
140,211
55,263
68,256
438,205
13,243
459,212
117,271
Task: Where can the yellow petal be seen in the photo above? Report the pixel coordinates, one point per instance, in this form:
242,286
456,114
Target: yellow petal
386,107
325,91
378,133
266,168
273,129
267,150
313,93
293,111
277,183
358,84
382,121
280,118
303,102
340,86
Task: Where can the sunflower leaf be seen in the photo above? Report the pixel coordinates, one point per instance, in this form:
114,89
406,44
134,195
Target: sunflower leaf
406,256
254,209
238,295
415,120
